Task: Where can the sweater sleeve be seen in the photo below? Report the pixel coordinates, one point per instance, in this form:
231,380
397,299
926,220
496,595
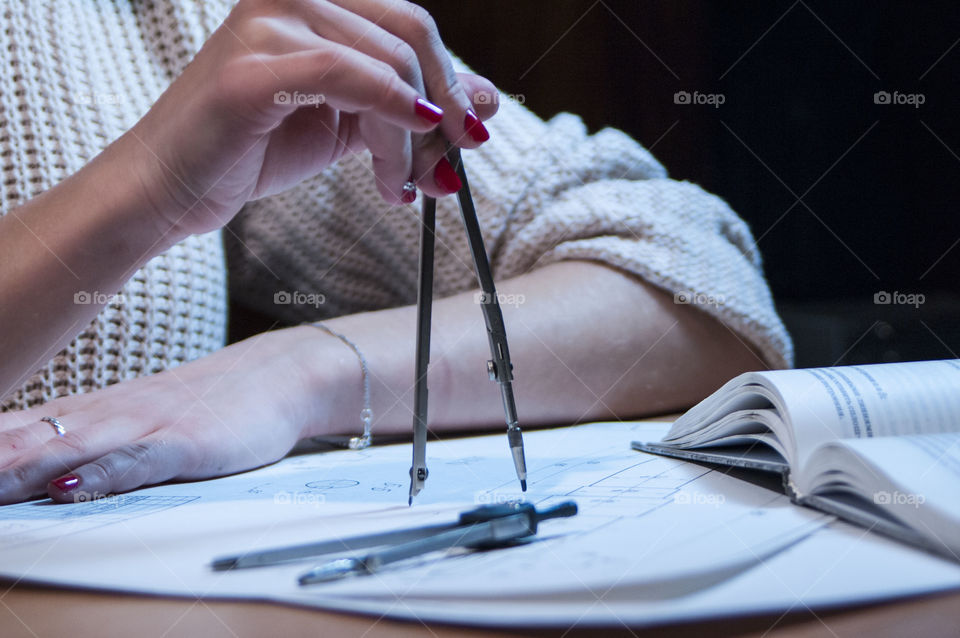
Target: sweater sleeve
604,198
545,192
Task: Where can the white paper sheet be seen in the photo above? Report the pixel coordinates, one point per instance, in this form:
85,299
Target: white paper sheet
656,539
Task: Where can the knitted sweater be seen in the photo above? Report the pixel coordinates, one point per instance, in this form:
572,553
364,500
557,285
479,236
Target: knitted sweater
76,74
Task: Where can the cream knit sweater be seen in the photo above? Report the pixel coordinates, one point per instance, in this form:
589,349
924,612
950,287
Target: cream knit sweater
76,74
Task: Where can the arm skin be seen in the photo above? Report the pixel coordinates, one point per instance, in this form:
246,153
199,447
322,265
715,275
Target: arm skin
588,342
77,236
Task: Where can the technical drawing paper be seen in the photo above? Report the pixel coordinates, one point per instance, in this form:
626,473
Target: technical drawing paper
655,539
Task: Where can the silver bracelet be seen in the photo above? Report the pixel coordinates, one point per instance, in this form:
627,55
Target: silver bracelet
366,414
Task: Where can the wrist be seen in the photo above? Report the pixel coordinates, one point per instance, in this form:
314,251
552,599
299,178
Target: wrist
103,229
144,200
331,378
118,207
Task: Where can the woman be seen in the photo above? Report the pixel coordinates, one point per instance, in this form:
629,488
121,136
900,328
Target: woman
122,158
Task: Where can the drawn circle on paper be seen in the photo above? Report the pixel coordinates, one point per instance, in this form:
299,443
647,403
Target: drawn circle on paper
333,484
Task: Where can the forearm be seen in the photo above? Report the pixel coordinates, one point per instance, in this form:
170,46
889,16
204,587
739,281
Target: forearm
587,343
64,252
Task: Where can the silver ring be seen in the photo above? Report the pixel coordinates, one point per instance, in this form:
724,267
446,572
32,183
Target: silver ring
410,187
55,422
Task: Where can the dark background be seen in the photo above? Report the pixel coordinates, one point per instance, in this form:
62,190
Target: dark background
847,197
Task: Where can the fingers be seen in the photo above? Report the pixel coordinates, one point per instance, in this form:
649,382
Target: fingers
336,24
380,61
21,433
391,146
414,25
26,477
397,156
392,152
14,420
333,75
388,107
483,94
19,440
431,170
153,459
418,54
24,473
54,408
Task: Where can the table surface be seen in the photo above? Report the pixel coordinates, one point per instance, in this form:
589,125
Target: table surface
40,612
32,611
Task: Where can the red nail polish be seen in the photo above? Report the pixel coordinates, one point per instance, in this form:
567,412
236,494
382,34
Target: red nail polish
66,483
446,178
430,112
475,127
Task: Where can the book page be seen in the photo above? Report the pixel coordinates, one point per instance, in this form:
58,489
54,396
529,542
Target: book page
854,402
912,478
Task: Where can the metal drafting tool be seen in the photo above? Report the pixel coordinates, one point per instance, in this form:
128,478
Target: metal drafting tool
509,515
499,367
487,527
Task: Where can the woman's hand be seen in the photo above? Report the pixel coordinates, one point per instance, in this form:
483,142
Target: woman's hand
240,408
285,88
231,128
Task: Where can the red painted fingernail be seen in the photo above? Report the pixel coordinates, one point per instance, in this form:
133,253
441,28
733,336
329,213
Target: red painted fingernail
66,483
430,112
475,127
446,178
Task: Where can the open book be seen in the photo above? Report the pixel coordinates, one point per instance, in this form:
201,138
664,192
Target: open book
878,445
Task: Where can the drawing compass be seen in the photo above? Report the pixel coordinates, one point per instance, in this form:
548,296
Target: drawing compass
499,367
485,527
